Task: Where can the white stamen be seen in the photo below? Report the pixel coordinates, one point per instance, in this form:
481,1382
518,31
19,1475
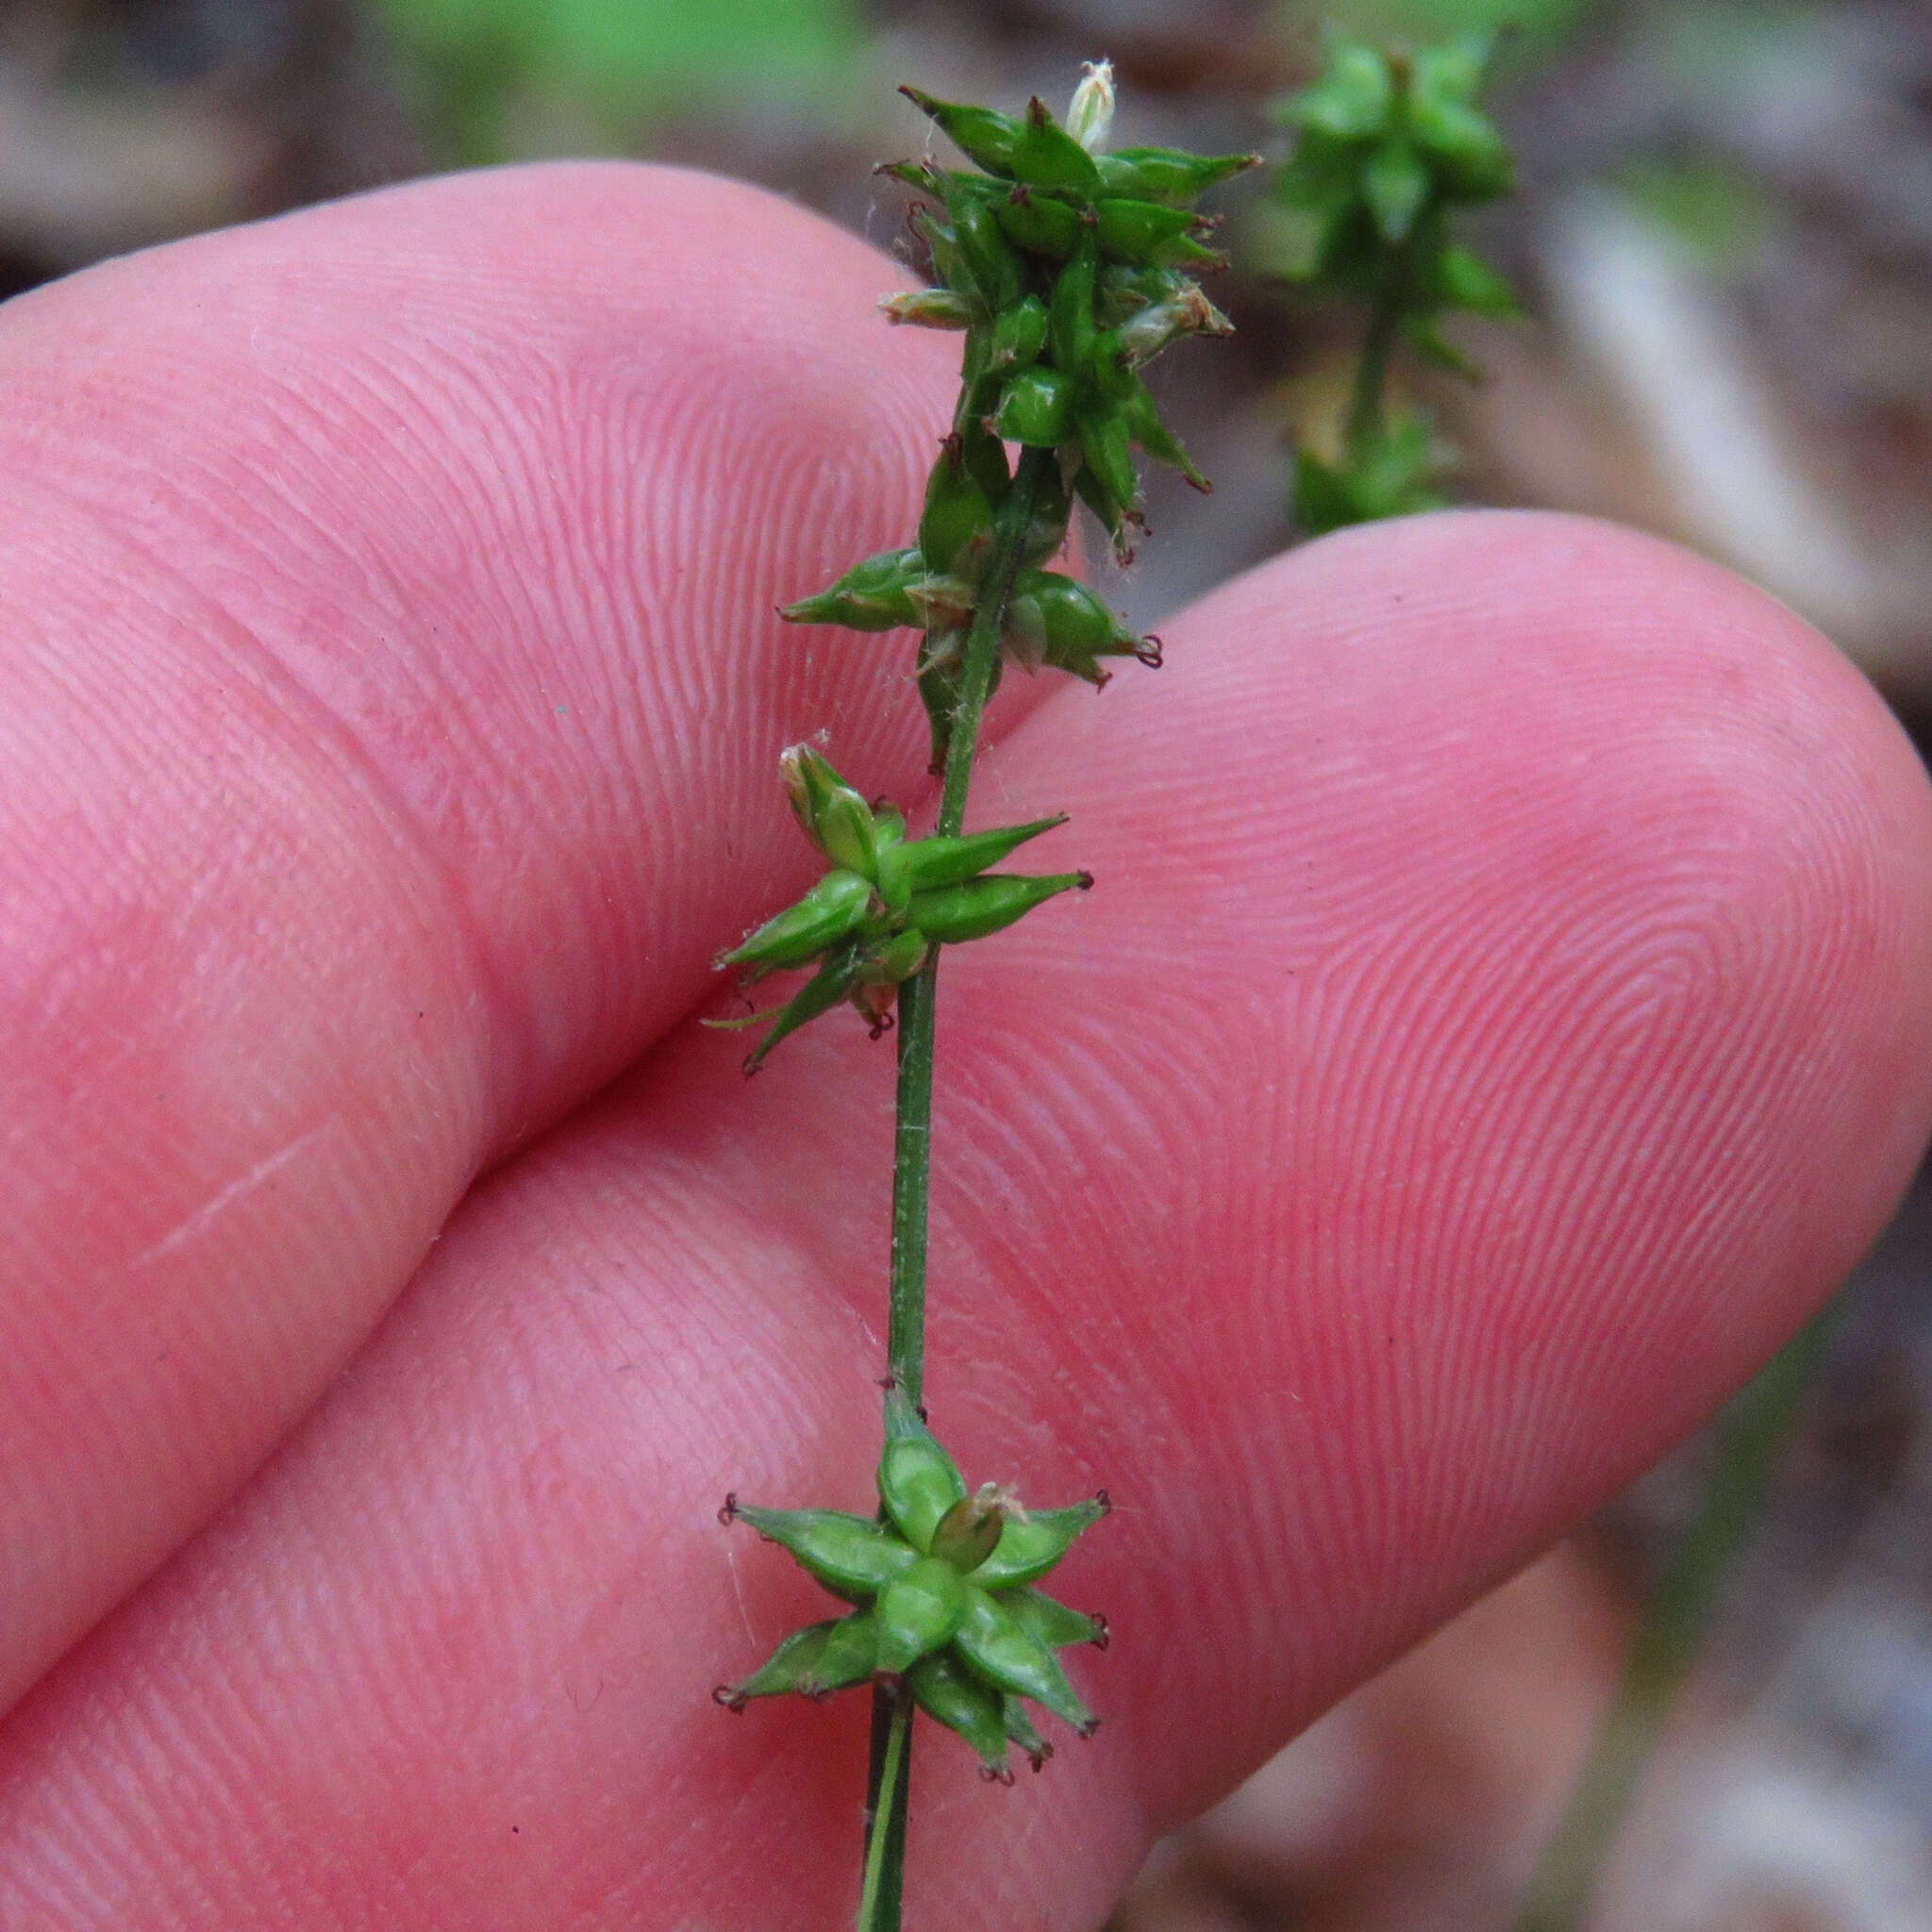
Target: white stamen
1090,117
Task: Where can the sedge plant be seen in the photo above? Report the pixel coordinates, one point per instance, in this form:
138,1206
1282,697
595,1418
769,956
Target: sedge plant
1390,147
1067,267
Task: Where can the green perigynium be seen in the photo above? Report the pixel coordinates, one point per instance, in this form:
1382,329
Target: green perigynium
1067,267
943,1588
1389,147
871,921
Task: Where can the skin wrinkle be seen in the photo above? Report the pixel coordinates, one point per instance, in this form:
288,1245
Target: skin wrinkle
305,722
1590,1110
706,1256
263,1171
1416,1067
442,809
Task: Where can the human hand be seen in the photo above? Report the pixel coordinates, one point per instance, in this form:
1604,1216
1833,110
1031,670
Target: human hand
1501,1019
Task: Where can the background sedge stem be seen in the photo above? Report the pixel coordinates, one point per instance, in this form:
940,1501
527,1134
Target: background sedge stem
1751,1432
1362,429
891,1709
1364,421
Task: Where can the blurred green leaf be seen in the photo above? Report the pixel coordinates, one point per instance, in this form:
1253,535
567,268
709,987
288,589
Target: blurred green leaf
1425,20
1720,213
615,63
1351,99
1463,280
1393,475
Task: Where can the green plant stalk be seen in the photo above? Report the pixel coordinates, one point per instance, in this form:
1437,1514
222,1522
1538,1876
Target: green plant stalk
887,1709
912,1133
890,1778
1363,424
1063,265
1751,1434
884,1855
911,1181
983,640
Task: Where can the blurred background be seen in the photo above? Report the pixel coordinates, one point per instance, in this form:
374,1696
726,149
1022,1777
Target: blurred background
1724,238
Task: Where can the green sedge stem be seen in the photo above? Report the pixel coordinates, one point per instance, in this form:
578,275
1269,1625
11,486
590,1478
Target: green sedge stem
983,640
1751,1432
885,1857
912,1142
911,1181
885,1715
1363,426
905,1364
891,1715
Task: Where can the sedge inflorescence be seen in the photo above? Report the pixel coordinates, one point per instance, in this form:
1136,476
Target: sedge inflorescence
1068,268
873,918
1389,148
944,1593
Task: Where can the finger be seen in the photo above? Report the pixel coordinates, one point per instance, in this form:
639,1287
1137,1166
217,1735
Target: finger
394,690
1499,1021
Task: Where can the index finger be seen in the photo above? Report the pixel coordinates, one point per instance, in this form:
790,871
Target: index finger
392,687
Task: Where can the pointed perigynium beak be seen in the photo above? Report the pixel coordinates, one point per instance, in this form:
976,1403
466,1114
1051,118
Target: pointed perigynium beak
831,814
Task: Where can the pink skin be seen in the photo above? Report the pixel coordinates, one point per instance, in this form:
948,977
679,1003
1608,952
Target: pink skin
1499,1020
